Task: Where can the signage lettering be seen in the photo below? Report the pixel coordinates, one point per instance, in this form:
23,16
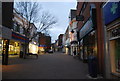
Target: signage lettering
86,28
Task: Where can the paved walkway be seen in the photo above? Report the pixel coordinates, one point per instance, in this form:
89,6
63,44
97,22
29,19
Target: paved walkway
48,66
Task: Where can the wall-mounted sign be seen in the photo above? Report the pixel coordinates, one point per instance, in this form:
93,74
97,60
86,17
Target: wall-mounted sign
19,37
88,26
111,11
42,46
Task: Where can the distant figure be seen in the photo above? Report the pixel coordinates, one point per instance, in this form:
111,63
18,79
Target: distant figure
74,52
38,52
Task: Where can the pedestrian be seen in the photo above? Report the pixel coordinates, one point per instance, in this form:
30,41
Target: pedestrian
74,52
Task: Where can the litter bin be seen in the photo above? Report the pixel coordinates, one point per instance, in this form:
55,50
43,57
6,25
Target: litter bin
92,66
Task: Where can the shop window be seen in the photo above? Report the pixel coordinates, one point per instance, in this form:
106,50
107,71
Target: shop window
16,27
115,55
11,49
84,6
21,30
24,30
14,48
33,48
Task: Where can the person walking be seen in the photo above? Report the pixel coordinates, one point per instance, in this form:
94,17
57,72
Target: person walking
74,53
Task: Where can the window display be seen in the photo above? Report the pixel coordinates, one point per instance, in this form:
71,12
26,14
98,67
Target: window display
117,55
14,48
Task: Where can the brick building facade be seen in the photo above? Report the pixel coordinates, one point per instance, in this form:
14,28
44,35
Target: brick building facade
44,43
91,37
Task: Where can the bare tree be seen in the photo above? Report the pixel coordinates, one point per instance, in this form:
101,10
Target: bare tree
30,11
46,22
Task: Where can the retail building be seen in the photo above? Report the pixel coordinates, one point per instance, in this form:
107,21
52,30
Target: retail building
91,37
111,16
60,46
7,23
44,43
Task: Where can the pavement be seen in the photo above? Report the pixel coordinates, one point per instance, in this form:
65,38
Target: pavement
47,66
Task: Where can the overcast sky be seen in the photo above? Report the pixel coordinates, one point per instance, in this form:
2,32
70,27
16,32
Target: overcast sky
61,11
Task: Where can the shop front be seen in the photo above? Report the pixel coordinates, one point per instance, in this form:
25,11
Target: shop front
111,12
33,48
87,40
14,48
74,47
17,45
81,49
67,47
4,43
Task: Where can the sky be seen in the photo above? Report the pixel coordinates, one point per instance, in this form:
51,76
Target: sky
61,11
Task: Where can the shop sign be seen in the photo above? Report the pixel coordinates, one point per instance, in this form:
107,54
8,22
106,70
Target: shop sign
88,26
42,46
19,37
111,12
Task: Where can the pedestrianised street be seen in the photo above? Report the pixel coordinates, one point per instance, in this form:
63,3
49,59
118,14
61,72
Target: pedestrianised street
60,40
47,66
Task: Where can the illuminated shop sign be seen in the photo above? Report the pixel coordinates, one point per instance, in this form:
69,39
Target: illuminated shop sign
19,37
111,11
86,28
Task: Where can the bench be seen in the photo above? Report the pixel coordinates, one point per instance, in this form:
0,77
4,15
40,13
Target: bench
31,54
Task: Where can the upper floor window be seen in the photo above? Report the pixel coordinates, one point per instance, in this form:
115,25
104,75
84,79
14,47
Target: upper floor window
21,30
16,27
